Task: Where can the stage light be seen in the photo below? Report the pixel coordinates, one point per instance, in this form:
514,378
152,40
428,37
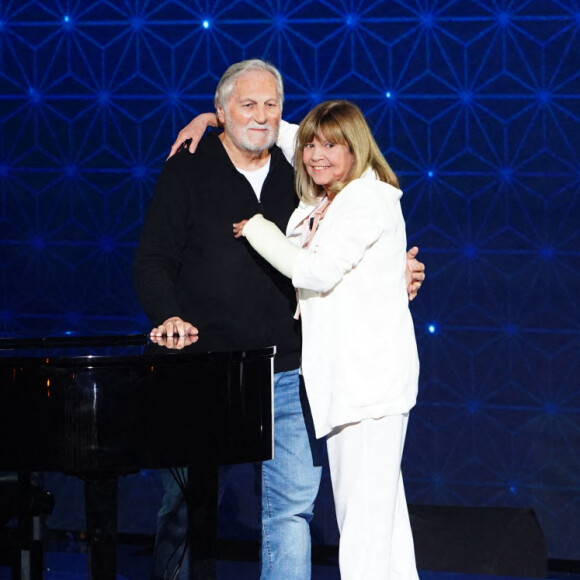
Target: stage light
510,329
352,20
466,96
437,480
37,242
173,97
428,19
140,171
103,97
206,24
503,19
432,328
35,95
544,97
106,244
470,251
137,23
71,170
507,174
67,22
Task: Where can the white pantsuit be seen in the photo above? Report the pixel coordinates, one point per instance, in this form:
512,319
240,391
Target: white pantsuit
376,542
360,363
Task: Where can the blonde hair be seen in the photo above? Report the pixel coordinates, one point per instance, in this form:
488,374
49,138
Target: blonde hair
340,122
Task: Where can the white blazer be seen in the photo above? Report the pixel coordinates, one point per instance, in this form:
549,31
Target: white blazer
359,356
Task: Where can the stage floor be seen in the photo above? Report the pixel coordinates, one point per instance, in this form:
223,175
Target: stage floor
68,561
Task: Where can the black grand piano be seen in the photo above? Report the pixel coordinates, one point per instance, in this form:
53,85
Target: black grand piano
102,407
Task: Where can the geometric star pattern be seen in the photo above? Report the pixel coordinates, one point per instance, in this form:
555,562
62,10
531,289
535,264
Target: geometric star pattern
476,104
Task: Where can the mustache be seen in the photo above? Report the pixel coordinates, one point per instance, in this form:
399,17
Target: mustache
261,126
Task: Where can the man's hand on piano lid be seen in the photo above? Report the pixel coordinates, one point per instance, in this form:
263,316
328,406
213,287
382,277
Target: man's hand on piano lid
175,342
174,326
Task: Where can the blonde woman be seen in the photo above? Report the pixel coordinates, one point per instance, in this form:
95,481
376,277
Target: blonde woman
344,250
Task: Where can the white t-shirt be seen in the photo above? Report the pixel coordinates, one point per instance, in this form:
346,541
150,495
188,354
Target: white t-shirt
256,177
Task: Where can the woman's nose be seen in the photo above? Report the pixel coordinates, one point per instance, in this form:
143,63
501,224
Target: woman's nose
316,152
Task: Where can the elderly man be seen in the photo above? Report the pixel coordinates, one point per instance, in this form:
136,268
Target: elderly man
190,270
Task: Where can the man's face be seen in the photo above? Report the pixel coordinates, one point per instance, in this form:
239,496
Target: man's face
251,118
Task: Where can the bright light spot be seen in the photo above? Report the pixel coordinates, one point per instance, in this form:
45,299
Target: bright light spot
352,20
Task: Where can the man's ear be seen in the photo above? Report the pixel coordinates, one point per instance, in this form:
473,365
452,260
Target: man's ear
221,116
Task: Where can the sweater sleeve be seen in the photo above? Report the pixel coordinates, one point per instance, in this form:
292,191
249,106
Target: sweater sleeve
265,237
158,256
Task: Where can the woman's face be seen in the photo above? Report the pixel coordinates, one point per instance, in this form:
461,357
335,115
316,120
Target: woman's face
327,162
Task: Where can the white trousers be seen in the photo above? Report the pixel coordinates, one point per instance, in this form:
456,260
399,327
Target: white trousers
376,541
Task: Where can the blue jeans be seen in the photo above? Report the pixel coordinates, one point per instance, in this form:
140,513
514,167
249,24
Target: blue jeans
170,556
290,484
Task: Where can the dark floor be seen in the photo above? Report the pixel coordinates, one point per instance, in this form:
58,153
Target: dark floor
68,561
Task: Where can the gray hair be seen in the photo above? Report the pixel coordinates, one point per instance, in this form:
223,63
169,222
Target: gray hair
227,83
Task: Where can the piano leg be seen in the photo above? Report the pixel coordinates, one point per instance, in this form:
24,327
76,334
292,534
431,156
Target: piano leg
31,561
202,501
101,513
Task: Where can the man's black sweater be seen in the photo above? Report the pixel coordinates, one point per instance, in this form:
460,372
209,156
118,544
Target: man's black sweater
189,264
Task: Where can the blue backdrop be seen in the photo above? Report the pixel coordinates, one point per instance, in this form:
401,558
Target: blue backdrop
476,105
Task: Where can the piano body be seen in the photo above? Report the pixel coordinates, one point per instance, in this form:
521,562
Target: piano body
102,407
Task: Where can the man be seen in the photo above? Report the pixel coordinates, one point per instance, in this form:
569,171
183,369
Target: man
191,270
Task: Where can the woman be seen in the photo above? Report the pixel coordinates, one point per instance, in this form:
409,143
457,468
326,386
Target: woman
345,253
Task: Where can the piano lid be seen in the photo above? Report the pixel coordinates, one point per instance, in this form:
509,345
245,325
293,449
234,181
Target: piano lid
121,347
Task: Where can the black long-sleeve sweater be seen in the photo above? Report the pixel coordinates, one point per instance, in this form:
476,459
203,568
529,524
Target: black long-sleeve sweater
189,264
